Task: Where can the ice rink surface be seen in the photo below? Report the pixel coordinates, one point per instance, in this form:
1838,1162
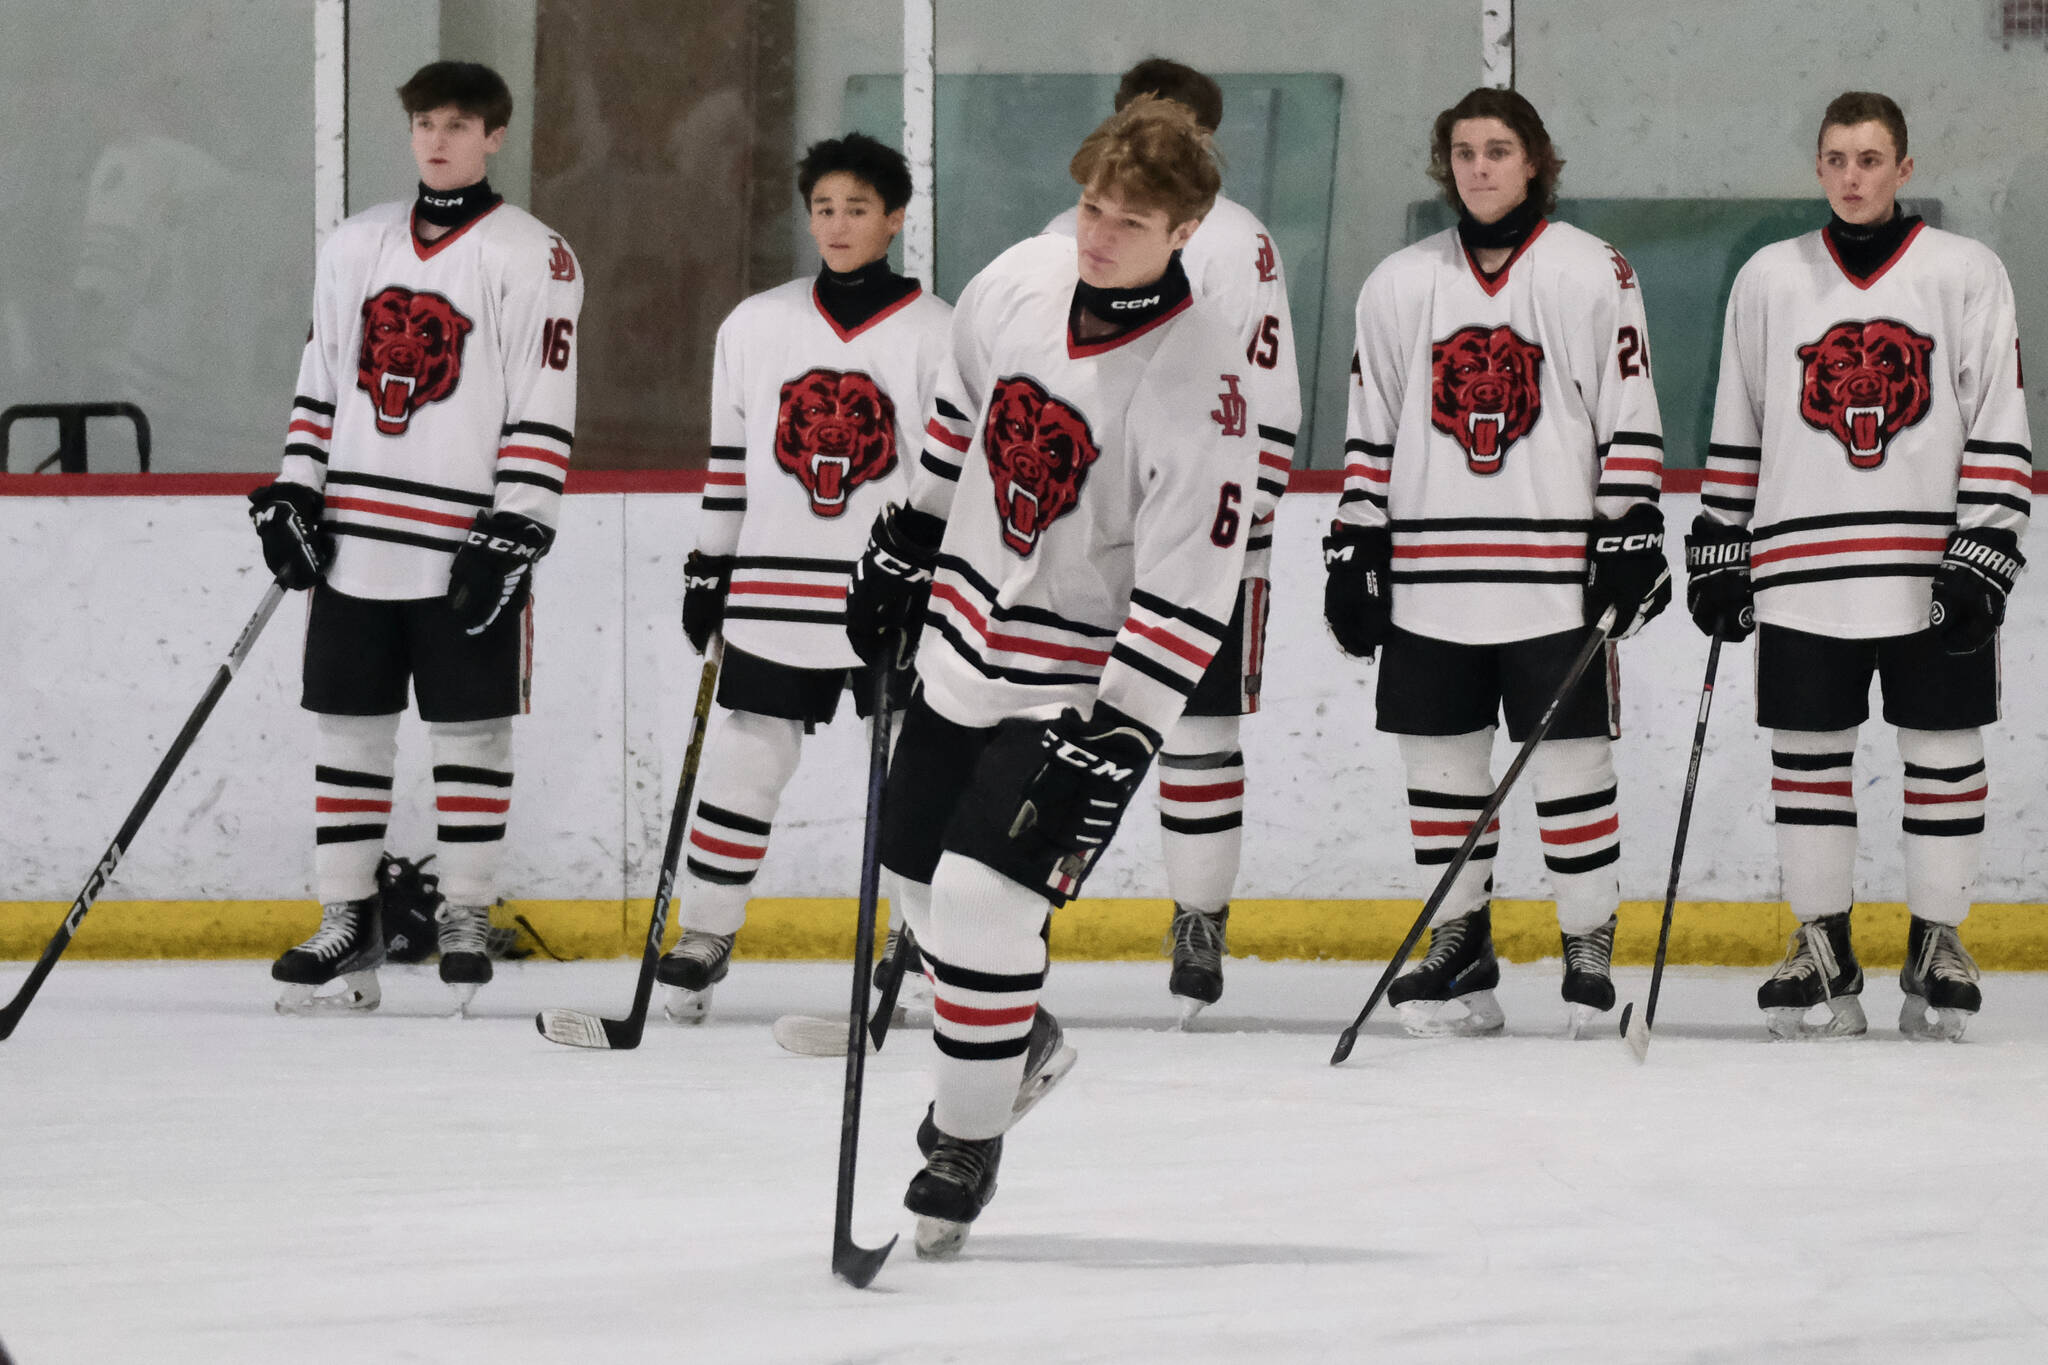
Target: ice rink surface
188,1177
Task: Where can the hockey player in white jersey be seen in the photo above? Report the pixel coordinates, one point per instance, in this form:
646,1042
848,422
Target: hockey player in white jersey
422,479
1078,578
818,390
1868,482
1502,469
1231,259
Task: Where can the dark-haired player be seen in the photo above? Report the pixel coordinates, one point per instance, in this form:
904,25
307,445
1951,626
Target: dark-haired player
1079,515
1231,259
818,388
422,480
1501,479
1867,485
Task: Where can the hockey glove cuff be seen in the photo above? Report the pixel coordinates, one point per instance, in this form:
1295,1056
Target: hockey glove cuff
891,582
1092,769
493,571
1970,587
706,578
287,517
1718,591
1358,594
1626,569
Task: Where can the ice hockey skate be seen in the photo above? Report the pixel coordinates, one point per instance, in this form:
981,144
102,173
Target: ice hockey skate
349,945
958,1180
1197,939
1820,968
698,962
1939,978
1588,983
1451,992
463,933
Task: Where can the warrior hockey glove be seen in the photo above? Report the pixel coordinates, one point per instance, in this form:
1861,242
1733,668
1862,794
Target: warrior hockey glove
1970,587
1092,768
1358,603
493,571
287,517
891,582
1626,570
1717,587
705,580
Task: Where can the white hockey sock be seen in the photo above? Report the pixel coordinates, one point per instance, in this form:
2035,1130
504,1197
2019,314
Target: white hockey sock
1944,824
1449,779
472,795
987,957
1201,810
910,903
1813,785
1575,810
747,761
351,803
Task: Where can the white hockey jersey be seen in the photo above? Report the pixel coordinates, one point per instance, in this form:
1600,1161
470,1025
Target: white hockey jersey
1232,259
1492,420
813,429
439,381
1099,498
1858,423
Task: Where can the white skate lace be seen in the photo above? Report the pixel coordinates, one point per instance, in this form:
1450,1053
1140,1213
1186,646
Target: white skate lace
463,928
1197,936
1942,955
696,945
1446,941
1589,953
1809,953
337,929
963,1163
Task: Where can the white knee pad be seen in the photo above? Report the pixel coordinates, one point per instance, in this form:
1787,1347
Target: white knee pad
472,800
1946,789
1580,824
1813,788
352,766
1449,779
748,761
1201,810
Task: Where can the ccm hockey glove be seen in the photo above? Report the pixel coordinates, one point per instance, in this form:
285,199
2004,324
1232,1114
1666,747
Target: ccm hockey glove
493,571
287,517
1970,587
1718,592
705,581
891,582
1092,769
1358,602
1626,569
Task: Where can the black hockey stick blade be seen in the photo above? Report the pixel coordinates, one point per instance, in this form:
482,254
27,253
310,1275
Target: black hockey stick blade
859,1265
891,982
578,1028
1596,639
96,882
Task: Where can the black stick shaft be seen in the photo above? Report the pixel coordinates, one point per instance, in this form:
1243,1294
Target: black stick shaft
863,966
1596,638
161,778
1692,782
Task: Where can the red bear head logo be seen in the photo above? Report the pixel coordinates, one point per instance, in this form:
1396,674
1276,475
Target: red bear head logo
1038,450
1865,383
411,354
1486,391
834,431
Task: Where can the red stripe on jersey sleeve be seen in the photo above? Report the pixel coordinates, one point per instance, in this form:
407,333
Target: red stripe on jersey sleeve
945,436
1016,644
392,509
535,453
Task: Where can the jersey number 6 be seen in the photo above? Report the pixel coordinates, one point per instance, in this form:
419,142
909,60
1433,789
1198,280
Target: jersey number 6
554,342
1224,532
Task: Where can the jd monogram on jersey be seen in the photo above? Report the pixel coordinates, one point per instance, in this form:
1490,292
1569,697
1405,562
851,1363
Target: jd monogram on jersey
411,354
834,431
1039,450
1486,391
1865,383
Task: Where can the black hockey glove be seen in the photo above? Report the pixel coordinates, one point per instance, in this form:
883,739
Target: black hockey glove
493,571
1970,587
1092,769
287,517
891,582
705,580
1626,570
1358,594
1718,592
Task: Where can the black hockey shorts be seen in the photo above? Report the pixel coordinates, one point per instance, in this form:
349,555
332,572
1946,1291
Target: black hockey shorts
748,682
1821,682
360,653
1230,687
955,789
1435,687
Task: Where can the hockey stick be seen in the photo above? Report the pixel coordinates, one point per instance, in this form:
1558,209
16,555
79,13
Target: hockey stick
97,882
1636,1029
578,1028
810,1035
858,1265
1595,638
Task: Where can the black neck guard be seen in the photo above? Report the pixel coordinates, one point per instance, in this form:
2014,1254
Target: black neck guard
852,298
1863,248
1126,310
453,208
1510,230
